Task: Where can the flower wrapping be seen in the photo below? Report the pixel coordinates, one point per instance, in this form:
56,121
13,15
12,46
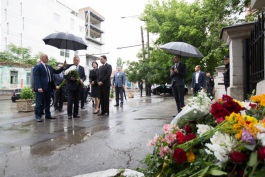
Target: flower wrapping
196,108
71,72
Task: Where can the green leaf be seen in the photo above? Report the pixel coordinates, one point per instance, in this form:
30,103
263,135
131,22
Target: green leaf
253,159
216,172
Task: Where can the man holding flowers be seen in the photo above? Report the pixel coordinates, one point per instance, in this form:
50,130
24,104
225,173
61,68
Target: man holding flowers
75,76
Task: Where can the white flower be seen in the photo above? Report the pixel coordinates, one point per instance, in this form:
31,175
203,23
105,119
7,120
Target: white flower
261,137
71,68
203,128
222,145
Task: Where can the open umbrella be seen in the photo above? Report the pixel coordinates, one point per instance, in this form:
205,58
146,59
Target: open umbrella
66,41
182,49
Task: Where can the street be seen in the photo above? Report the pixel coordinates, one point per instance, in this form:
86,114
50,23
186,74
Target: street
64,147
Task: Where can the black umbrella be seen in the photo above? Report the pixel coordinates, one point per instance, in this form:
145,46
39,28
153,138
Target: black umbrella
63,40
182,48
124,94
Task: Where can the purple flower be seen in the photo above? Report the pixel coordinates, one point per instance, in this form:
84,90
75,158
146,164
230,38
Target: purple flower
247,137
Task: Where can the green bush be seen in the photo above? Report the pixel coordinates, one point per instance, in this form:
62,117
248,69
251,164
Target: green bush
26,93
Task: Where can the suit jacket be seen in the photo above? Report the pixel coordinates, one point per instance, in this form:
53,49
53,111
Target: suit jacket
72,84
119,79
41,76
58,79
178,79
104,74
201,80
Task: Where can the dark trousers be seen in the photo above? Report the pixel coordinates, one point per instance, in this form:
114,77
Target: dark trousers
73,99
178,92
104,98
43,100
82,97
118,94
196,89
59,98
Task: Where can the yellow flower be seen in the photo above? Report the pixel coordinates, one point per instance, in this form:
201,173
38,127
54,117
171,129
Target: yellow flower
239,102
262,102
255,98
190,156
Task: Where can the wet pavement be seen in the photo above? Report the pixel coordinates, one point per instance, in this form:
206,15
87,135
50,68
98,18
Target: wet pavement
63,147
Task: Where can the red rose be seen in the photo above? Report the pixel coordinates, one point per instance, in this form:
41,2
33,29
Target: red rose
261,153
190,136
180,156
253,105
220,120
180,137
187,129
238,157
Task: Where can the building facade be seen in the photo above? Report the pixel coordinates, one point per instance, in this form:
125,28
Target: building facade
25,23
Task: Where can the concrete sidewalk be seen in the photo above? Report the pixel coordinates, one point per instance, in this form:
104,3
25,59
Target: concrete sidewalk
5,97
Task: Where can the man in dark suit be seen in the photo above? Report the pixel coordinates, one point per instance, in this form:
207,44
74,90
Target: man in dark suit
198,80
43,86
104,84
59,92
73,89
178,73
119,85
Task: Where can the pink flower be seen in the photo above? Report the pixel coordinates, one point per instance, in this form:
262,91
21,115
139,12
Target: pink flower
170,138
164,151
167,128
154,141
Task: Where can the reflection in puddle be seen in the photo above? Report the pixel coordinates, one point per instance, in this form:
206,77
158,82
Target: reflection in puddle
60,142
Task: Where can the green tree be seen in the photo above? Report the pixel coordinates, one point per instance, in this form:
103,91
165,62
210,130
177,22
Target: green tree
199,23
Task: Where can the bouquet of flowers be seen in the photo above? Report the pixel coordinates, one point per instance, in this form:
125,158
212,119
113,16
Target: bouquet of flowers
230,141
196,108
71,72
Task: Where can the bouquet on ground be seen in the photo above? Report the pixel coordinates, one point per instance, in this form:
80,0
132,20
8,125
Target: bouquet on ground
229,142
72,73
196,108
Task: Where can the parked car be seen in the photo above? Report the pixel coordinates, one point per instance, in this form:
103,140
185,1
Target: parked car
15,95
166,89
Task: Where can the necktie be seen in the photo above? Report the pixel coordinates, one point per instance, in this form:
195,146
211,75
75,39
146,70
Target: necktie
61,74
102,68
48,73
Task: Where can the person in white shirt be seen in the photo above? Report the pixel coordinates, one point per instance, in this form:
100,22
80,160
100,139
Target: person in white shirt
198,81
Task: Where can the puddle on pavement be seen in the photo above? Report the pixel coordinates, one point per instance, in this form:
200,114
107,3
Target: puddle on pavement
71,137
147,118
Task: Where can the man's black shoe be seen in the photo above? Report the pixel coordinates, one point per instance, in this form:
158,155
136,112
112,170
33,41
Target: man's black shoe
76,116
101,114
38,120
49,117
60,110
69,117
116,105
82,107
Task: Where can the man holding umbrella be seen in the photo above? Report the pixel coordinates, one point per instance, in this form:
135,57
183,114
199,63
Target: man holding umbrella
119,85
178,73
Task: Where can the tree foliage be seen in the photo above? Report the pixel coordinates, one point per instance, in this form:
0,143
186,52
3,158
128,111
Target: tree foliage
199,23
22,55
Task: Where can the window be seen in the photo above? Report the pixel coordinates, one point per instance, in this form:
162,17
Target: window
13,77
64,53
28,79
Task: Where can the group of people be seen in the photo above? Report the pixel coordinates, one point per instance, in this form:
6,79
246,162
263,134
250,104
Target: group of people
199,81
47,80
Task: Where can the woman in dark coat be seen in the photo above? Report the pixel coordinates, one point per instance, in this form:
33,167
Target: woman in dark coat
95,93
